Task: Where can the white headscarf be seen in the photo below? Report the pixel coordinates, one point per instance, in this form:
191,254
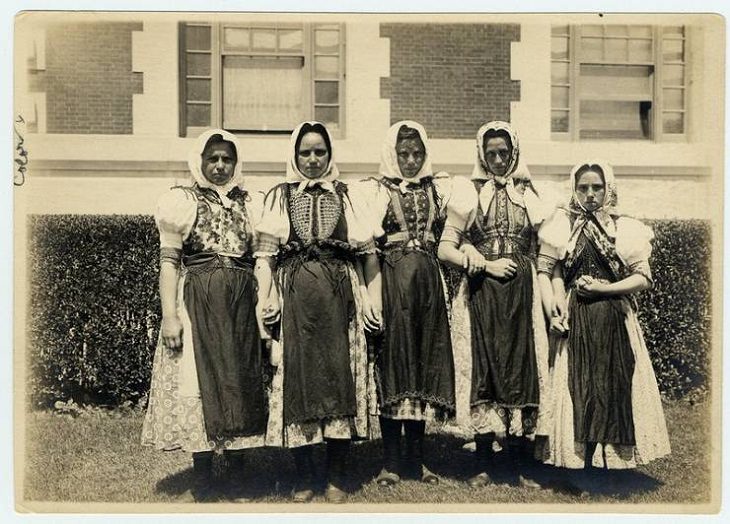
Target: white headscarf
195,160
530,200
294,175
389,157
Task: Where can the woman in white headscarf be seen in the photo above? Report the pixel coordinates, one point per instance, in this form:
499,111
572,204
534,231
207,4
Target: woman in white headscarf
414,366
605,404
500,340
310,236
207,391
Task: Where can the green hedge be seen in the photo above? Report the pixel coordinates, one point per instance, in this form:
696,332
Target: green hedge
94,309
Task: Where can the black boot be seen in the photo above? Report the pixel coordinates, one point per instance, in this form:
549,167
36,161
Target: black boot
483,459
202,489
391,431
415,431
337,451
523,458
304,463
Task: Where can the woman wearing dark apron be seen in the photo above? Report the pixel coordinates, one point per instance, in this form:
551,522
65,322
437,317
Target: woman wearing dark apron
310,238
207,391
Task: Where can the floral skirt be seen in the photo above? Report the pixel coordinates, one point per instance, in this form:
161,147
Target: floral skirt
174,418
493,416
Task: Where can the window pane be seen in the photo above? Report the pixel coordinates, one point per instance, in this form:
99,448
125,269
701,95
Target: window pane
197,38
264,40
236,39
291,39
592,30
614,119
326,67
559,30
673,50
673,30
560,73
604,82
198,115
198,89
198,64
673,75
560,98
673,99
591,49
673,123
640,30
640,51
617,50
559,121
559,48
326,92
327,115
327,41
263,93
616,30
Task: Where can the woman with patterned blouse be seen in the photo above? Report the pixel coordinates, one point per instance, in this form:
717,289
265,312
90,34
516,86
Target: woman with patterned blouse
500,344
207,389
310,236
605,404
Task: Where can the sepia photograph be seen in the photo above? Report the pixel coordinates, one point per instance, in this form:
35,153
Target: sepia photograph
298,262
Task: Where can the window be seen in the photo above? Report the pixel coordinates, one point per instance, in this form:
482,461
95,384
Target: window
260,78
618,82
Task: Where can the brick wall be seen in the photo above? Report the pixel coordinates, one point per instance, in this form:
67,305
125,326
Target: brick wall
450,77
88,78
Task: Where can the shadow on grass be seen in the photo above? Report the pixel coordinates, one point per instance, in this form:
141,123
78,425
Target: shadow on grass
270,472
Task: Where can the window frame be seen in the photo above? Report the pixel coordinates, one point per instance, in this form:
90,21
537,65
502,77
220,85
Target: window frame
217,53
656,125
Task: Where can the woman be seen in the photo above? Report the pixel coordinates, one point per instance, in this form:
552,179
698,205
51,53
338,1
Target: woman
414,366
500,340
605,400
310,236
207,389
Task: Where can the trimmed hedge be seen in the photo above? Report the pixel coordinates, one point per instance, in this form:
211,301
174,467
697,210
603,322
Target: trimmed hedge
94,307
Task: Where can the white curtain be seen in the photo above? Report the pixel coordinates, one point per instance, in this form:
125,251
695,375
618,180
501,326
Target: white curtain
262,97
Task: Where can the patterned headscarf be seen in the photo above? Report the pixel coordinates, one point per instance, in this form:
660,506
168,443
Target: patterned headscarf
599,224
195,164
294,175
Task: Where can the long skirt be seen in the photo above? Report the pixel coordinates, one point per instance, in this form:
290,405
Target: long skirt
494,392
414,363
603,391
210,395
322,386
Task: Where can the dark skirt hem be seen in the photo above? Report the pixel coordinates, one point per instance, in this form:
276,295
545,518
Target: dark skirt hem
435,401
502,405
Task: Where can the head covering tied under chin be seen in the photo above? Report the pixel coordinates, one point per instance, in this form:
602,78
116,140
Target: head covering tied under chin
389,167
605,213
515,171
195,161
294,175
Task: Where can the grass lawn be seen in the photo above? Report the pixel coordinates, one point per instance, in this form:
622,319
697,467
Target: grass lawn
99,459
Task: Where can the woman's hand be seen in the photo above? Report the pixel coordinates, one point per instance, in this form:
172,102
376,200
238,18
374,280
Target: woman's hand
269,311
372,314
559,326
473,261
502,268
589,287
172,332
560,308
